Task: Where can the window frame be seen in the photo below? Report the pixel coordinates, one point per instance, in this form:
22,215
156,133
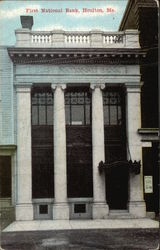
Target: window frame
87,102
38,90
119,104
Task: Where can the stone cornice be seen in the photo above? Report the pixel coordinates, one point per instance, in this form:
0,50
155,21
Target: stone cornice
75,56
23,87
133,86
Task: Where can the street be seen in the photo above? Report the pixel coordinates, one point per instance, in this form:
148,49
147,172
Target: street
82,239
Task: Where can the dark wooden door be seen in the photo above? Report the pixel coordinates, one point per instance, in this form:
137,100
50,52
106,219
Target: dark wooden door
115,148
117,187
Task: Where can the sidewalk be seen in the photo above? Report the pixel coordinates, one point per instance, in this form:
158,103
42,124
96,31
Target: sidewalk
46,225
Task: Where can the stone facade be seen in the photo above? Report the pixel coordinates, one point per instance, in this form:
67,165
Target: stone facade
118,66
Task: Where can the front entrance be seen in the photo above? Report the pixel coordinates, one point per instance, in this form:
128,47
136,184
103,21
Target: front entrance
117,187
115,148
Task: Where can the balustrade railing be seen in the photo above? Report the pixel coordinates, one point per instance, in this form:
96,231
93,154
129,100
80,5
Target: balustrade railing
110,39
25,38
77,38
39,38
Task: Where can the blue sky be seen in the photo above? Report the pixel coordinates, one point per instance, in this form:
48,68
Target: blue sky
10,12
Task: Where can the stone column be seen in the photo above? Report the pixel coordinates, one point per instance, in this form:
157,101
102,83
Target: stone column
60,207
100,208
24,207
136,202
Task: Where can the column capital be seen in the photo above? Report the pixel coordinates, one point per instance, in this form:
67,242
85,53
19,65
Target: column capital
58,85
93,86
23,87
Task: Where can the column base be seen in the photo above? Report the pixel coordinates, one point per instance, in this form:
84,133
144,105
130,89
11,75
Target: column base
100,211
24,212
137,208
60,211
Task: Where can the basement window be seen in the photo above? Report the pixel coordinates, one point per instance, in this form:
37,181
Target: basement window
80,208
43,209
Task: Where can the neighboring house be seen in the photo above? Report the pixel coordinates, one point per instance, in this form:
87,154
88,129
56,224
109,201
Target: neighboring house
143,15
71,101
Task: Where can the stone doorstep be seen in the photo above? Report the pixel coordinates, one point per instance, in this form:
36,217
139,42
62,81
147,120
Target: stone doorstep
46,225
124,214
120,214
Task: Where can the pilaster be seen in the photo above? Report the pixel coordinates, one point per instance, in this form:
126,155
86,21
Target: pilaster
136,202
24,208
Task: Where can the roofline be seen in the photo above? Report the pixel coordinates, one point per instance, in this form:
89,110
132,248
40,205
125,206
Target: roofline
151,3
125,15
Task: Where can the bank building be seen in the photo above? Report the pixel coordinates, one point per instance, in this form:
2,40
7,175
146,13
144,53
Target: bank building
73,144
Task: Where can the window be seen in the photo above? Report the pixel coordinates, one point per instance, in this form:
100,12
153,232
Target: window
78,107
79,208
79,143
42,143
112,104
42,106
43,209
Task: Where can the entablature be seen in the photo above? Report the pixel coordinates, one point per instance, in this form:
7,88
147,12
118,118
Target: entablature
76,56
